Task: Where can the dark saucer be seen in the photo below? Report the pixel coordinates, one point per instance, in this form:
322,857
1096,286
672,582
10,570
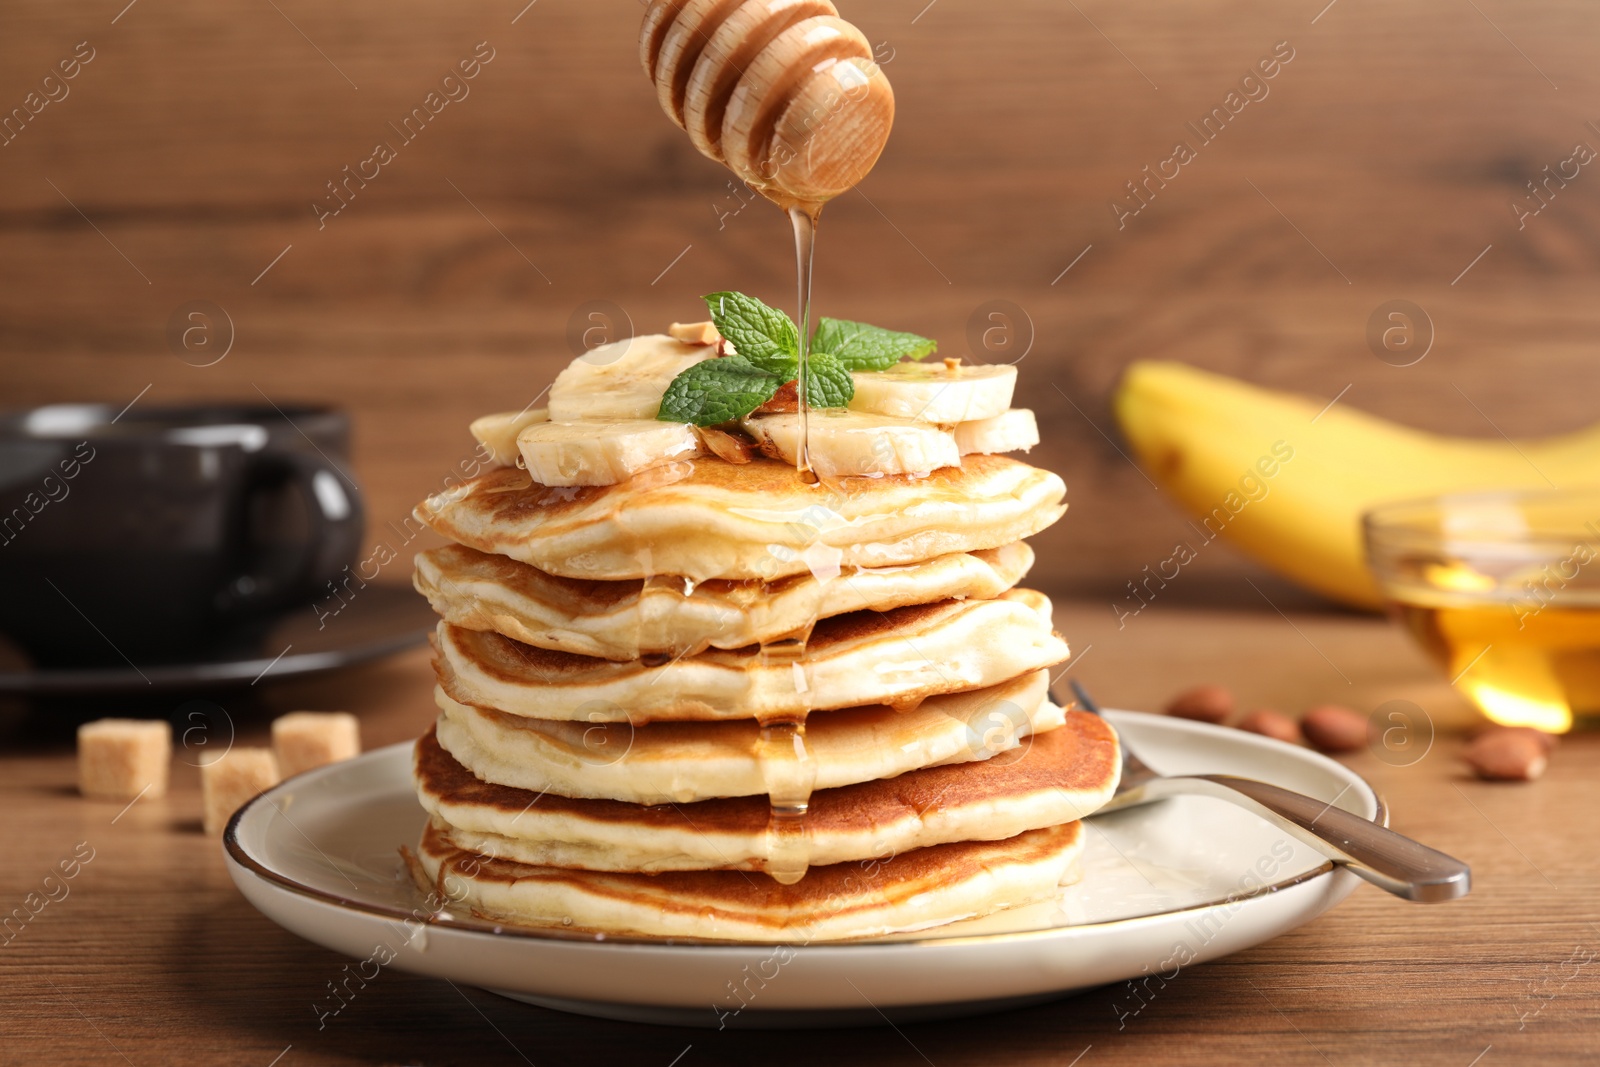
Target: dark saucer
379,620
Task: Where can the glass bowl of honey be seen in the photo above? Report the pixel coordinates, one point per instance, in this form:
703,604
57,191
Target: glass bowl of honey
1503,590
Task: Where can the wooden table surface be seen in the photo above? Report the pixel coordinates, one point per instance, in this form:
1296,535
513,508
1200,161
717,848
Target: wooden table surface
154,957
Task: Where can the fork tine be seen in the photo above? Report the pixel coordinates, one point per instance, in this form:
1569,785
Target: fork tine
1135,771
1381,856
1084,699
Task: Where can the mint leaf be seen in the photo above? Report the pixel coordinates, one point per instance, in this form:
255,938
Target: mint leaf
828,382
859,346
768,357
763,335
715,391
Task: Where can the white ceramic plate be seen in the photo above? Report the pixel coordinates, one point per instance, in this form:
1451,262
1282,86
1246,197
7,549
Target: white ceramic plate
1164,886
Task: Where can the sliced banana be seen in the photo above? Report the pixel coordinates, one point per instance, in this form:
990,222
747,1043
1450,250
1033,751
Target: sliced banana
498,432
602,451
935,392
847,443
622,380
1014,430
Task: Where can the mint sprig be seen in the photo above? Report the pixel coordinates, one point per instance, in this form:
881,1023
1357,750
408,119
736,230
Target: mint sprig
767,344
763,335
715,391
828,381
862,347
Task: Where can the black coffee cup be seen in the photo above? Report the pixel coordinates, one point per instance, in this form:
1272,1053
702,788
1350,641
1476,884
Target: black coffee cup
167,534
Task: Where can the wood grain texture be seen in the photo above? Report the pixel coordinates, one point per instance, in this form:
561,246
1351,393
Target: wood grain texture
155,955
1381,162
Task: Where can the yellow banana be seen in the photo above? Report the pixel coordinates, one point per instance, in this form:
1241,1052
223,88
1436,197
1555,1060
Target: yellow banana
1287,481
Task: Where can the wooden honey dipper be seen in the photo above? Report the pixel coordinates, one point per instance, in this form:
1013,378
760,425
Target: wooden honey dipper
784,92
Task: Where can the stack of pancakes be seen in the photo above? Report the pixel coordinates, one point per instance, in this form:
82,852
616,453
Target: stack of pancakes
716,701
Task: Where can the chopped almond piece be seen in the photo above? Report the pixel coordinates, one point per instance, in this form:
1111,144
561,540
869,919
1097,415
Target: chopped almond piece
733,447
695,333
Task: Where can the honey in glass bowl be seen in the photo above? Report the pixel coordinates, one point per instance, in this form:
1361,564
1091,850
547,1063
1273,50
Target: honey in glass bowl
1503,591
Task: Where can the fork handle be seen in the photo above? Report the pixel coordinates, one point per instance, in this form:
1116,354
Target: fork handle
1388,860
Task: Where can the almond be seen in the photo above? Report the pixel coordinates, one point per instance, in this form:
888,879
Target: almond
694,333
1546,741
1507,754
732,447
1204,703
1273,724
1334,728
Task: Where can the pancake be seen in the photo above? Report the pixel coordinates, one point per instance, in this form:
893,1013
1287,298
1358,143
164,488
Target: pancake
679,762
627,619
866,657
1061,776
713,519
911,891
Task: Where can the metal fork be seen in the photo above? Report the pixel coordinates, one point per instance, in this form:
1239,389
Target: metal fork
1388,860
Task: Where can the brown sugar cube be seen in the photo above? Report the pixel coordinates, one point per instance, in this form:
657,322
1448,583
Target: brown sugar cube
1204,703
307,739
1273,724
233,778
1334,728
119,759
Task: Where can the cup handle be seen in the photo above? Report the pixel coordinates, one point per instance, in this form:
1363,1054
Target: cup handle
335,509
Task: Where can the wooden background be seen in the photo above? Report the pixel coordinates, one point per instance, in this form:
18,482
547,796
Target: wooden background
197,139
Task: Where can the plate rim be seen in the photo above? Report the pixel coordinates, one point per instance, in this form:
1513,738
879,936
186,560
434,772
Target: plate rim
239,857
